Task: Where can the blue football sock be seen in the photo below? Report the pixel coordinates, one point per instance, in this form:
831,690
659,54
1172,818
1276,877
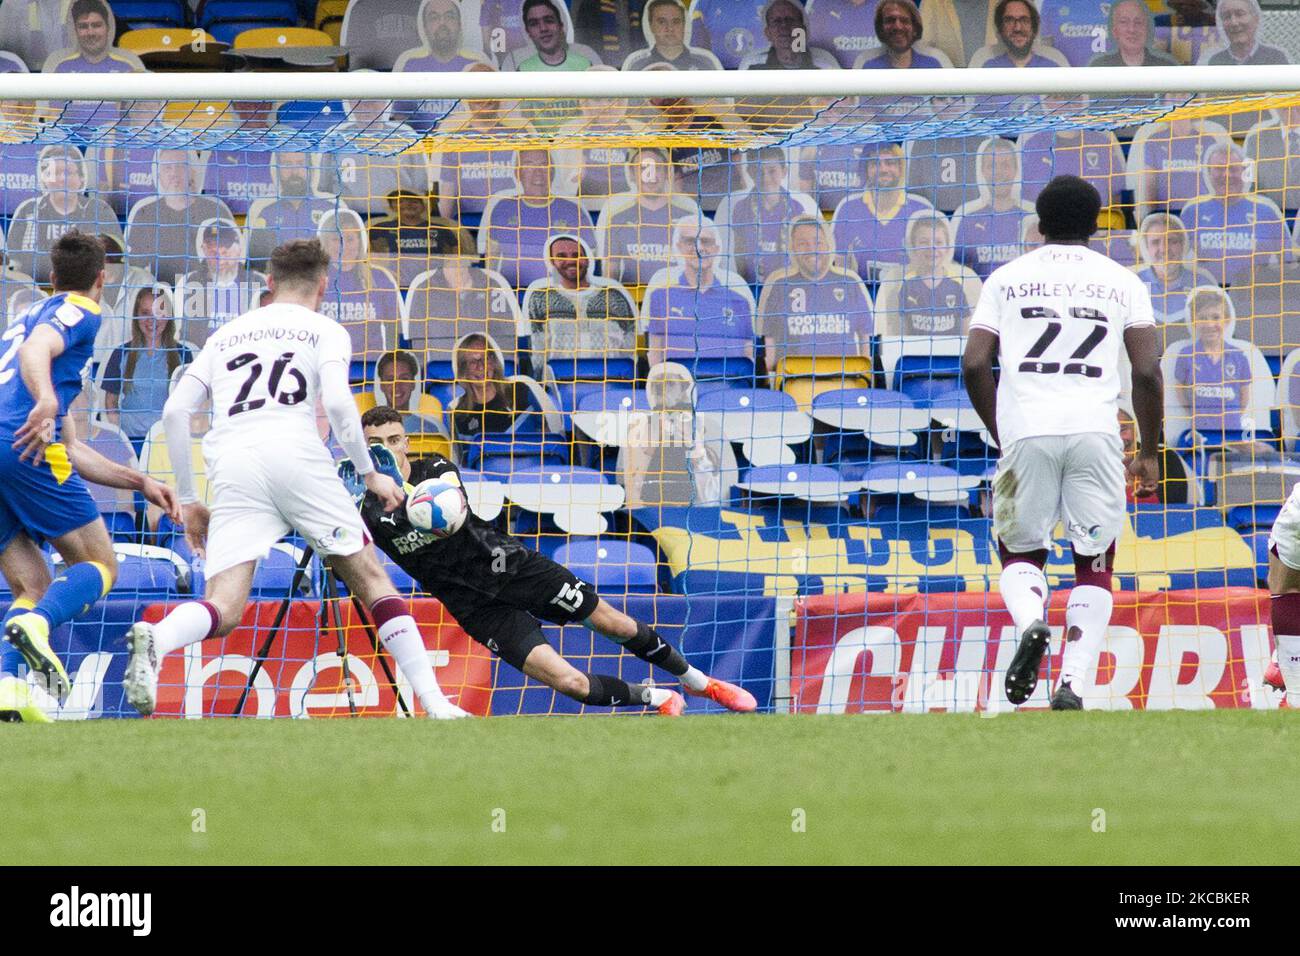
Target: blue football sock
11,662
73,593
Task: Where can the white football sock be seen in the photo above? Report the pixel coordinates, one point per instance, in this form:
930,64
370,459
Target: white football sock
1088,610
695,679
402,639
1288,662
186,624
654,696
1024,592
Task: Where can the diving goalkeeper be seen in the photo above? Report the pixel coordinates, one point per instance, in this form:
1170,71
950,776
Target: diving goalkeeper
497,589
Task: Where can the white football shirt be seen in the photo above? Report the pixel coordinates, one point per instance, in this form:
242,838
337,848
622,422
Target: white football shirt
263,373
1060,312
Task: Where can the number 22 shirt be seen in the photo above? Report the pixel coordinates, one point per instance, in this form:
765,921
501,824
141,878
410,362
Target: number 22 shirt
1060,313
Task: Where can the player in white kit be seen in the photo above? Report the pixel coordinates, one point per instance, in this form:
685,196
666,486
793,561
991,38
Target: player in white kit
1052,320
1284,590
270,474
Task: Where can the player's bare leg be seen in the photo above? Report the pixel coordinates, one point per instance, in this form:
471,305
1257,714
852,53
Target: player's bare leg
225,595
545,664
23,566
90,568
644,642
1024,592
1284,588
366,578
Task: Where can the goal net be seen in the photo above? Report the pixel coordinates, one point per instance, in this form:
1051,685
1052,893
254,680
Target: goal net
696,337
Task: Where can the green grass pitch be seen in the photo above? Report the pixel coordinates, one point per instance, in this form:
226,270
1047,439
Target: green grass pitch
1169,788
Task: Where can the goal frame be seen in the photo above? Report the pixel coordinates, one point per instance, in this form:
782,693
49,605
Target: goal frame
300,85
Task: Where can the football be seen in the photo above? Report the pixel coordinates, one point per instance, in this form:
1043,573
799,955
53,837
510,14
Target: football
437,506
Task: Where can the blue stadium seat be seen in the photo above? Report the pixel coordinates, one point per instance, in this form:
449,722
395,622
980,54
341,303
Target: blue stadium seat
144,570
728,368
268,12
964,438
498,455
817,484
868,422
920,375
315,115
275,573
1258,542
767,424
575,498
116,506
146,14
362,371
614,567
912,488
577,378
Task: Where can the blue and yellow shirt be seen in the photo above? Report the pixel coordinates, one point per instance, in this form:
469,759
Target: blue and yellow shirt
76,318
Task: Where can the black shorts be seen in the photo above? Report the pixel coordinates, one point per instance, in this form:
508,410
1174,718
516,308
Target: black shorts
538,588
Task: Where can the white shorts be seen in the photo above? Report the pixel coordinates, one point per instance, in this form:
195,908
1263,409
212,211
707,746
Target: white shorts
1285,536
259,495
1077,480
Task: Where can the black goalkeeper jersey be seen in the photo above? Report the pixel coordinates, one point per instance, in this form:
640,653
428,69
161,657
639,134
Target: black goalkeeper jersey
463,571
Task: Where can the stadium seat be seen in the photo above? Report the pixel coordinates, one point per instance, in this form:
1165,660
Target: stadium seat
764,422
162,40
614,567
134,15
310,115
575,498
923,480
730,368
148,571
268,38
199,115
814,483
329,18
603,415
274,574
117,506
574,378
486,496
884,417
806,377
909,359
270,12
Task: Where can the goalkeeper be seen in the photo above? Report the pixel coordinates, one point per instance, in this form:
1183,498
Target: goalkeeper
496,589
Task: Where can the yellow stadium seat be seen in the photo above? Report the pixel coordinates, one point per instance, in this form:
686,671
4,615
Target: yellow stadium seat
1112,217
803,378
204,114
365,401
268,38
329,18
164,40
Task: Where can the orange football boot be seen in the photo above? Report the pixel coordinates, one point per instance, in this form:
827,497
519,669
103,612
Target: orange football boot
1273,676
673,706
728,695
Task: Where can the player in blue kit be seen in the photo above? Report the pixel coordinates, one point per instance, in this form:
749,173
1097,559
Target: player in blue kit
43,470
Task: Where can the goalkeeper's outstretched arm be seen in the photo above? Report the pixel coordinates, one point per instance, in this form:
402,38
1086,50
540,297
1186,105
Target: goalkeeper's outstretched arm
344,418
